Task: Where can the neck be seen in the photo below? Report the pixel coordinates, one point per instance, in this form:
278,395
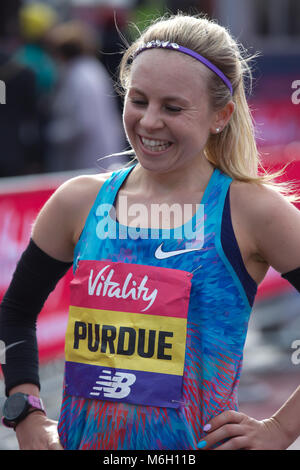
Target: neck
192,178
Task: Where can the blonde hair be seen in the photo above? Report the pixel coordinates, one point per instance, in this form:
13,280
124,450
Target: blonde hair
234,150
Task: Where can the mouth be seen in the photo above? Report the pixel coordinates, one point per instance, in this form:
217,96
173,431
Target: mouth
155,145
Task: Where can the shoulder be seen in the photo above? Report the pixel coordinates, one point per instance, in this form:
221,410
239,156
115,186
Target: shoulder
272,222
61,220
260,201
76,196
80,189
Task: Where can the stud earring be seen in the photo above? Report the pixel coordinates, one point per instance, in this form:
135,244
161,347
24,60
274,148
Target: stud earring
218,129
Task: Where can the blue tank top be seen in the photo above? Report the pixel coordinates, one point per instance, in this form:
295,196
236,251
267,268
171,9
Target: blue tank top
157,327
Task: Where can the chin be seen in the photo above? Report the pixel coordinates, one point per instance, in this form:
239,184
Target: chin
156,166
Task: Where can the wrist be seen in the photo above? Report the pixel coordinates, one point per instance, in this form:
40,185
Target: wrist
30,417
29,389
286,435
286,417
18,406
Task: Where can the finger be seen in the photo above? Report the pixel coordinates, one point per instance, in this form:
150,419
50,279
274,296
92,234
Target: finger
34,446
228,416
220,434
54,443
56,446
236,443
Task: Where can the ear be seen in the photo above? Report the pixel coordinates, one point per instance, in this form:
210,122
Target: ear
222,117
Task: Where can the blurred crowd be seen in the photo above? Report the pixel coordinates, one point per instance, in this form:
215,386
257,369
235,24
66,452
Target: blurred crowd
59,65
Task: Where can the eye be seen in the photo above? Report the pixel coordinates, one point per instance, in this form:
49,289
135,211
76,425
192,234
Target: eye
138,101
173,109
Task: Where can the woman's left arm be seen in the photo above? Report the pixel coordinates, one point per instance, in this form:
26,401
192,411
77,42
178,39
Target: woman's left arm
240,431
275,227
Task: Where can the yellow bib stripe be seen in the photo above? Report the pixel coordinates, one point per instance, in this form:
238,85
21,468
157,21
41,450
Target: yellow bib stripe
122,340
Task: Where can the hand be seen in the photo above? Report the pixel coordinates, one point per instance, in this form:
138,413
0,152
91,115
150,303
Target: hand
242,432
37,432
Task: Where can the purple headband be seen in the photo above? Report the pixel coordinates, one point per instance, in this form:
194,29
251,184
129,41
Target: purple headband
175,47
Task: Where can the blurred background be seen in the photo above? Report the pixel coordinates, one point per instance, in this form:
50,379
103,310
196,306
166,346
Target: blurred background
60,115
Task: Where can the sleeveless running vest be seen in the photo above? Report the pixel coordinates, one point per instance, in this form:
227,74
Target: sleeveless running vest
157,326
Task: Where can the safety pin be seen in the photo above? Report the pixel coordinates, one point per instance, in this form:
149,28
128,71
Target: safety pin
181,402
196,269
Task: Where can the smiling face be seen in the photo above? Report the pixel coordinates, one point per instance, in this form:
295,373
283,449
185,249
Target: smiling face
167,116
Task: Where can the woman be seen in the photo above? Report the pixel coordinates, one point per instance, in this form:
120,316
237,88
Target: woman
159,314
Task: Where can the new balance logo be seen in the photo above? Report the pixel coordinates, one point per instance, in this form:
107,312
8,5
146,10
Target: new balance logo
116,386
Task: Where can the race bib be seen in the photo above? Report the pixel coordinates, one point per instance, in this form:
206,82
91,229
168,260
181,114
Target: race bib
126,334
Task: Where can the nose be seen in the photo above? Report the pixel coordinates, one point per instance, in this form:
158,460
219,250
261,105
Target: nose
151,118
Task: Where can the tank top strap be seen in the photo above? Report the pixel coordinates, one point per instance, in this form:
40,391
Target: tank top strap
215,214
214,200
110,188
105,197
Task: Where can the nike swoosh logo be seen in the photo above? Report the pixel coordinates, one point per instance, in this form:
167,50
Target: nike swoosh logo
159,254
14,344
4,349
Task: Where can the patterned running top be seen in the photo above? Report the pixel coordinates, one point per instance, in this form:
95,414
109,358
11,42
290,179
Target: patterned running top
157,325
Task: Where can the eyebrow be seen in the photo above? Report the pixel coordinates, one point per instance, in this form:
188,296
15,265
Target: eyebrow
165,98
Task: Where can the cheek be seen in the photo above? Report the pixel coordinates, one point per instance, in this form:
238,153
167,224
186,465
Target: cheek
195,137
127,122
129,119
201,128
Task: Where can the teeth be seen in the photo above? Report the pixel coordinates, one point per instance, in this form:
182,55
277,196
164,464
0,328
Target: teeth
155,145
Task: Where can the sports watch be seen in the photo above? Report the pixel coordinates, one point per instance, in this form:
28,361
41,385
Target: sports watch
18,406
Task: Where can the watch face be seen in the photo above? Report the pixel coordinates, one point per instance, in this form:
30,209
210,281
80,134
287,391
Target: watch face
15,406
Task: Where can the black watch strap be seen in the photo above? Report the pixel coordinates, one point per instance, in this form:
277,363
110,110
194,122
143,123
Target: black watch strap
29,412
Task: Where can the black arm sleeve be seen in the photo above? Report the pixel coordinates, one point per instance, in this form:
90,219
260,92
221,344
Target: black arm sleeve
293,277
36,275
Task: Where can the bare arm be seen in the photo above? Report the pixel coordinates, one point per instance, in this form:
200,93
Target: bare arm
276,229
